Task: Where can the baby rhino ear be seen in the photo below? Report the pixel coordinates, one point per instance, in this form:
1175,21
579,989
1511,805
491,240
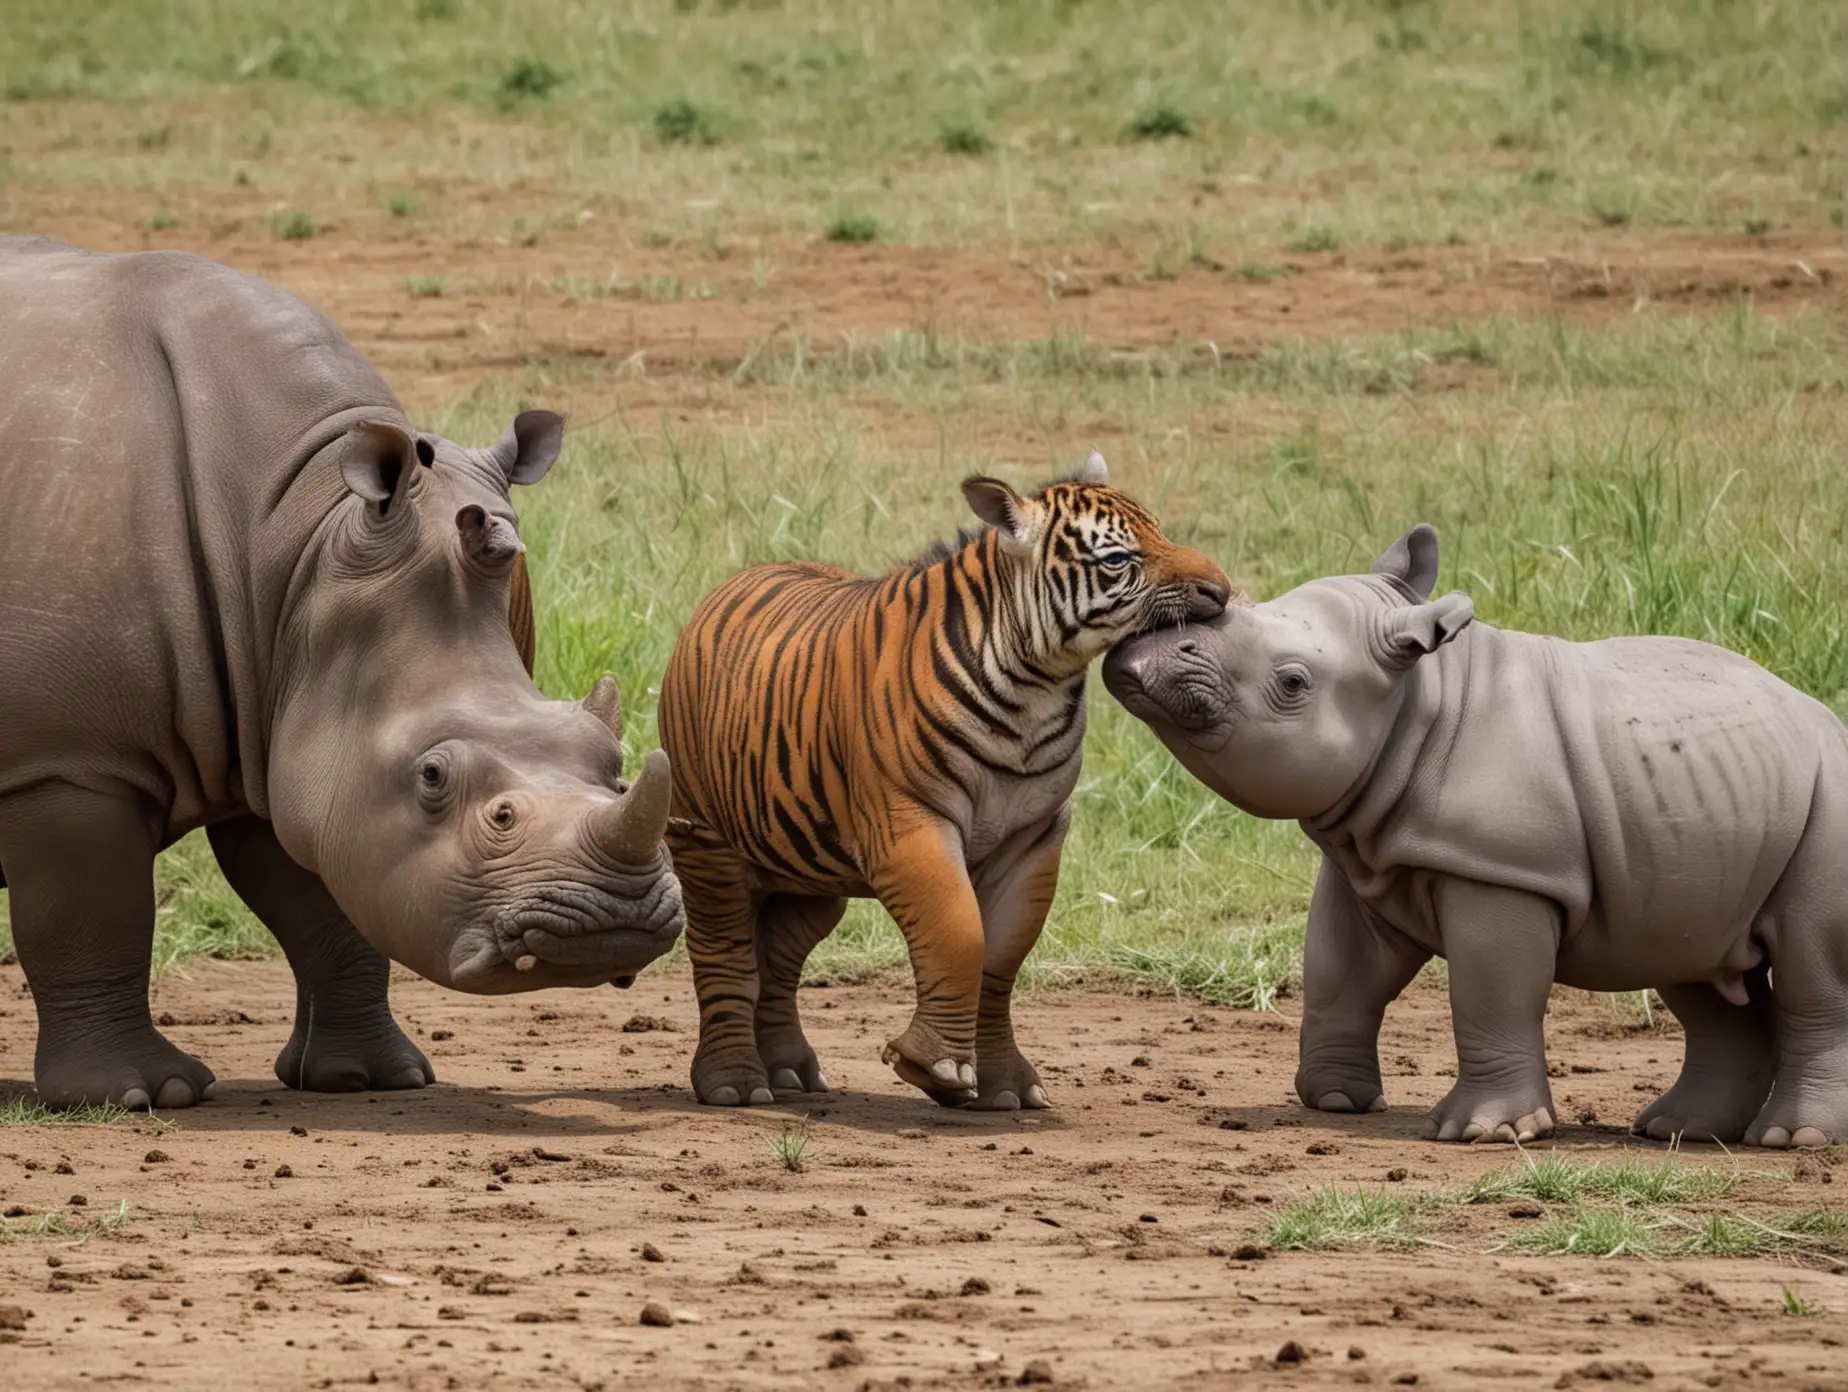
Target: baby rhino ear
1424,628
1002,508
1412,560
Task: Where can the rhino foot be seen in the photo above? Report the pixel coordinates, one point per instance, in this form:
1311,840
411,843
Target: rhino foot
1482,1113
1701,1109
791,1062
731,1078
920,1056
142,1072
1800,1123
376,1059
1332,1089
1006,1083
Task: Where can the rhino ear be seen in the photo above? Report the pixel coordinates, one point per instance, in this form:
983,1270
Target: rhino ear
376,460
605,702
1424,628
1095,470
1412,560
997,504
530,447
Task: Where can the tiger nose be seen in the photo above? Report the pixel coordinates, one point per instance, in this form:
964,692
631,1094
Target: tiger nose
1208,597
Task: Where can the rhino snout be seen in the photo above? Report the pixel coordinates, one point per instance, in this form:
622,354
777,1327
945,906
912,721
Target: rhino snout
1168,677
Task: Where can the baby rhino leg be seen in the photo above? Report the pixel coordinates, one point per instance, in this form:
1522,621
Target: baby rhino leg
1726,1074
1503,948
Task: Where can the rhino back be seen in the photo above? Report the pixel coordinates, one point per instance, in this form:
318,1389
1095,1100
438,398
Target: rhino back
154,411
1653,787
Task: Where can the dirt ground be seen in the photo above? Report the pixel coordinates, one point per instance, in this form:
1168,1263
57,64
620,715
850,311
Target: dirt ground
506,1227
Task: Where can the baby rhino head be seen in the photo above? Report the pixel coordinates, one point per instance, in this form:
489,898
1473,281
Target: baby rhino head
1282,708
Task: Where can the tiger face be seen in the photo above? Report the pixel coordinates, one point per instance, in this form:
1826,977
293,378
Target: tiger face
1098,563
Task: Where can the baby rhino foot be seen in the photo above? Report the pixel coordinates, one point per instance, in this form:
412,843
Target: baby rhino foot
731,1078
1006,1084
140,1071
1799,1122
1478,1112
921,1057
1701,1109
791,1063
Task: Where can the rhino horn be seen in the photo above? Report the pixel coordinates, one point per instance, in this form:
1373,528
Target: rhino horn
605,702
629,830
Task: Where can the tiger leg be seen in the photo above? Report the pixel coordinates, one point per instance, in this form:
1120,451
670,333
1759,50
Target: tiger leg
721,907
923,883
788,928
1015,888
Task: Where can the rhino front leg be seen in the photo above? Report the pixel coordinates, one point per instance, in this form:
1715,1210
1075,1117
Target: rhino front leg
1503,948
80,866
1353,968
345,1039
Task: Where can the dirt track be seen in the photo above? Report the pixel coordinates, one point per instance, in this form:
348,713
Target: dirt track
498,1220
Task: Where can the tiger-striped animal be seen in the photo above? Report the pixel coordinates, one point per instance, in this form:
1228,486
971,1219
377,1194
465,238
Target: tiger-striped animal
914,737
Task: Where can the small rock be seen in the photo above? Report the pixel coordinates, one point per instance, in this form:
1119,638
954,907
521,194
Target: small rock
16,1211
284,1172
1148,1218
1249,1251
846,1356
657,1316
838,1336
78,1201
1525,1210
440,1035
1038,1372
298,1130
1406,1380
352,1276
1356,1353
1395,1176
859,1210
1324,1148
14,1316
156,1157
975,1285
651,1253
648,1024
64,1167
1292,1352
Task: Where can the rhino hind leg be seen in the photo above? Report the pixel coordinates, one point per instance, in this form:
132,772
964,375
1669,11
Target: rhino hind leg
788,928
1727,1071
80,867
722,909
345,1039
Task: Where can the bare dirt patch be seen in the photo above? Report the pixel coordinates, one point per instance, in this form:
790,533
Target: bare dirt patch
511,1226
439,315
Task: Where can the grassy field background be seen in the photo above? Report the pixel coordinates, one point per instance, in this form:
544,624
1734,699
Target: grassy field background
1673,469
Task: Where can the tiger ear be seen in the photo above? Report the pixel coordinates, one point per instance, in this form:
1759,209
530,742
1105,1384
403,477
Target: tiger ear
1002,508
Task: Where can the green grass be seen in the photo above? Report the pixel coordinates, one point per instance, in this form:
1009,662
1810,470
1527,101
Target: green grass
426,287
23,1109
1343,1218
293,225
965,138
1555,1177
852,225
1606,1230
1383,122
791,1147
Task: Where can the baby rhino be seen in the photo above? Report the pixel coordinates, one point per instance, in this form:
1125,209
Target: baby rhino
1615,815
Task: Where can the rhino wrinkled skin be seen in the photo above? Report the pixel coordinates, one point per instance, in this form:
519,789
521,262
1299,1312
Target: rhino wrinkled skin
1637,812
238,591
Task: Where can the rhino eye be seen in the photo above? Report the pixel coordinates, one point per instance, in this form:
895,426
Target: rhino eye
1293,683
433,778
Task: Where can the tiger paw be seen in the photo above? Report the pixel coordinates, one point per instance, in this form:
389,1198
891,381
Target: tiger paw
791,1063
1007,1084
920,1056
734,1078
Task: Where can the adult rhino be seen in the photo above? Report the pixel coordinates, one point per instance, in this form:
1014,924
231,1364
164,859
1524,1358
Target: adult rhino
239,591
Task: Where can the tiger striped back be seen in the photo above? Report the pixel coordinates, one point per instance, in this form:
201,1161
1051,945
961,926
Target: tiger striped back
914,736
